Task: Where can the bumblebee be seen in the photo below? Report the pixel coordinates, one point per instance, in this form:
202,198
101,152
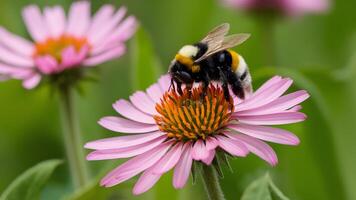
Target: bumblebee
211,59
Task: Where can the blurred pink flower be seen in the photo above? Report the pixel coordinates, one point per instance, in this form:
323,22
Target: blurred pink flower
167,130
62,42
288,7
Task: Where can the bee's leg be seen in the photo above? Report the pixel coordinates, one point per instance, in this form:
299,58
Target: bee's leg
205,84
225,86
172,85
235,83
179,88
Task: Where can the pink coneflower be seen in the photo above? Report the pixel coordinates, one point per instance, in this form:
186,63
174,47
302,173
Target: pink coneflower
62,43
167,130
288,7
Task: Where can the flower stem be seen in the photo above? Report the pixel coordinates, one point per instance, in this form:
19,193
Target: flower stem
72,137
267,22
211,183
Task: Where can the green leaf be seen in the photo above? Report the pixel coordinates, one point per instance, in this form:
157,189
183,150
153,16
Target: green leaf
28,185
146,68
263,189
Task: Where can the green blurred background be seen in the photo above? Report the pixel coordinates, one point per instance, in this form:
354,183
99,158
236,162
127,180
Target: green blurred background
317,51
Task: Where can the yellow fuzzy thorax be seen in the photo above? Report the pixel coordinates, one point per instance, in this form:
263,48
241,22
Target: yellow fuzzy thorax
235,60
187,62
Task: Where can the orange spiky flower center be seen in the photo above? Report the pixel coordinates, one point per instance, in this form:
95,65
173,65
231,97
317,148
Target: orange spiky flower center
191,116
55,46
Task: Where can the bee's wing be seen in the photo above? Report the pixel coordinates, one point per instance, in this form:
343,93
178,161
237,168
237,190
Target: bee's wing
226,43
234,40
215,38
217,33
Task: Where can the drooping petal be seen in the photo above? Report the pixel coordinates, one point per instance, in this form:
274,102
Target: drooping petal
123,141
169,160
233,147
16,43
135,166
208,160
211,143
266,96
126,109
13,59
126,152
183,167
15,72
31,81
143,102
68,57
258,147
146,181
270,134
35,23
108,55
272,119
55,20
199,151
46,64
78,18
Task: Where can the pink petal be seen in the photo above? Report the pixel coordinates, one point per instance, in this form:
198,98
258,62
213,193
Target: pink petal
258,147
125,152
208,160
46,64
145,182
97,36
122,125
55,19
106,56
15,59
70,58
126,109
296,108
135,165
125,30
35,23
169,160
233,147
123,141
143,102
305,6
199,151
78,18
31,81
278,105
99,20
267,133
15,72
268,84
164,82
117,36
266,96
16,43
272,119
154,91
183,167
211,143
